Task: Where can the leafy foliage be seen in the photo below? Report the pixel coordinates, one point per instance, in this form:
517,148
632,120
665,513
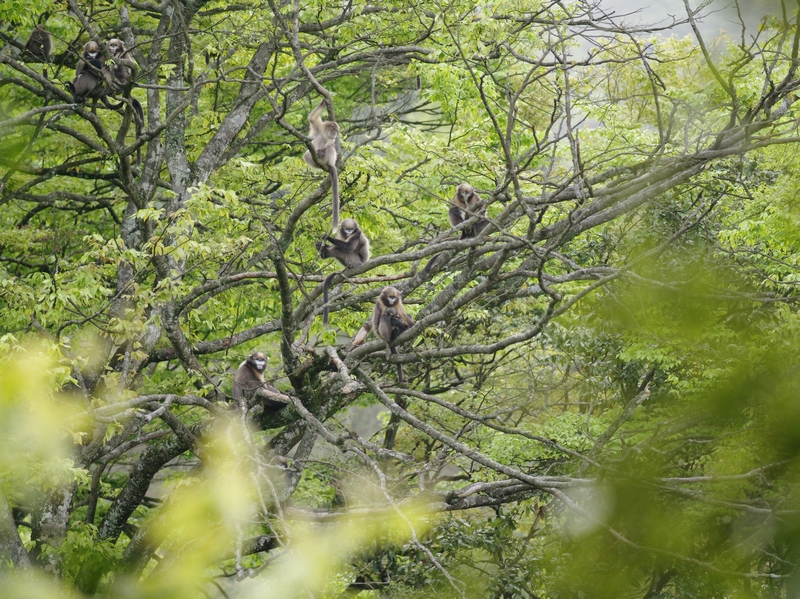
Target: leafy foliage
600,392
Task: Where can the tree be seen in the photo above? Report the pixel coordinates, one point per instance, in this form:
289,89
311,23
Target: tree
602,342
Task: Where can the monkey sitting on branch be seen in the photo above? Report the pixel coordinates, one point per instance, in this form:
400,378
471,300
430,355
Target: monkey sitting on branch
350,248
323,136
389,320
95,80
39,45
465,204
249,381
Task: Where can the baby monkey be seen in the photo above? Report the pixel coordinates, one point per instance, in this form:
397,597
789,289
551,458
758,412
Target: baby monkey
350,248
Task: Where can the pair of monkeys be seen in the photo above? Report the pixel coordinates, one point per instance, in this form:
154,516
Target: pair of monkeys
351,248
389,318
96,80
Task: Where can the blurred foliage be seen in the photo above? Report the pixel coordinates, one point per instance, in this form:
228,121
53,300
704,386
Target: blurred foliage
644,443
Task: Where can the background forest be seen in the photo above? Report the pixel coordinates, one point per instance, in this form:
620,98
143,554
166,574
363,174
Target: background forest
601,389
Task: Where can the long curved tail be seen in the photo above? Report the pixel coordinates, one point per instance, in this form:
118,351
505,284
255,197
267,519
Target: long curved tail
335,193
325,286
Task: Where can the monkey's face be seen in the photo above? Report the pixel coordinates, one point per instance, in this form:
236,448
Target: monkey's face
91,51
464,194
348,227
116,47
390,296
331,129
258,360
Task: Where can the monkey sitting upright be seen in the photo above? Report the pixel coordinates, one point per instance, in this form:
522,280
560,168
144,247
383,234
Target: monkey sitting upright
88,82
465,204
323,136
39,45
350,248
389,319
249,378
93,79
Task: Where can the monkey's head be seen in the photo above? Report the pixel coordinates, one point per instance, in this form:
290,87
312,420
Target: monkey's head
391,312
465,195
348,226
91,51
116,47
330,129
390,296
257,360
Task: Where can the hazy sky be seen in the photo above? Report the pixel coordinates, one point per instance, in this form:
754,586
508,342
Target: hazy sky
719,14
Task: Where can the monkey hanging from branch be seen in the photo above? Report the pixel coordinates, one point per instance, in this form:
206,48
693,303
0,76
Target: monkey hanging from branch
350,248
323,136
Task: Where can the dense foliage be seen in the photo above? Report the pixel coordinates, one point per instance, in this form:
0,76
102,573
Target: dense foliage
600,394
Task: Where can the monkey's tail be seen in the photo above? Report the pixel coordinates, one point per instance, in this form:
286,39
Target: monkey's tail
335,193
107,103
389,351
138,119
325,286
431,263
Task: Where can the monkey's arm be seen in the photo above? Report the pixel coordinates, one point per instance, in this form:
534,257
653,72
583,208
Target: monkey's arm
349,246
237,390
333,252
455,216
314,117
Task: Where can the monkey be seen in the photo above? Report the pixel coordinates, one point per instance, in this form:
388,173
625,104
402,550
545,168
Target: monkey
350,248
88,82
389,319
39,44
92,77
323,136
465,205
122,73
249,378
121,76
